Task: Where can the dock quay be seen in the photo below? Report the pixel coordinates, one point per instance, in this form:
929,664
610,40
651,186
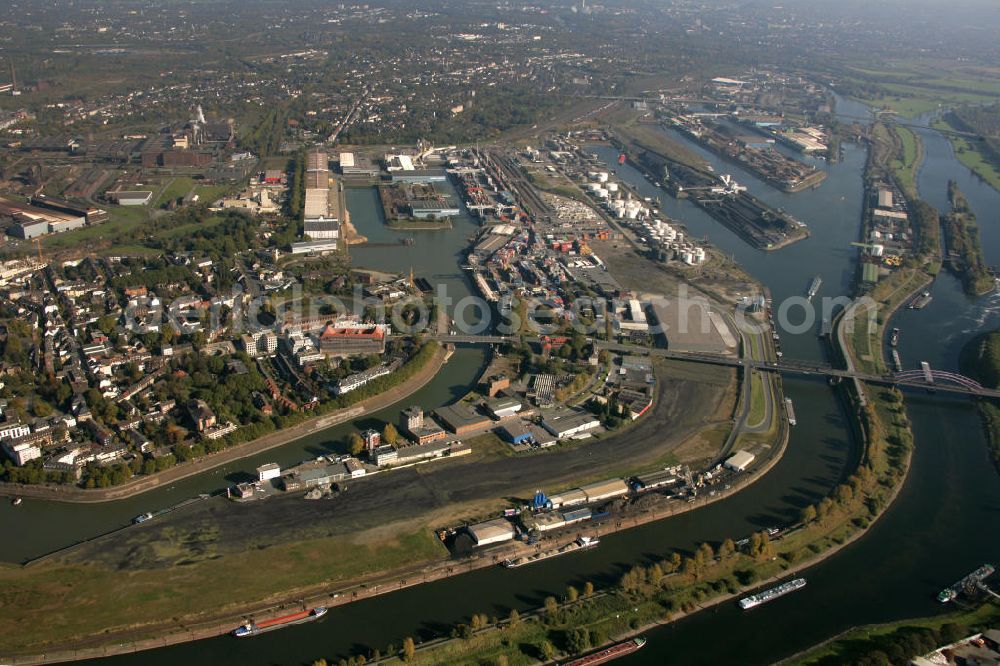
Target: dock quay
757,223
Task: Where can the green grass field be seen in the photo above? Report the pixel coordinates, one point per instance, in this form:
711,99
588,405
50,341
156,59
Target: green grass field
121,219
176,188
908,165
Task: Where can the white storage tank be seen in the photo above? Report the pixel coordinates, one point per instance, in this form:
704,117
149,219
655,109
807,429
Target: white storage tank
602,177
612,187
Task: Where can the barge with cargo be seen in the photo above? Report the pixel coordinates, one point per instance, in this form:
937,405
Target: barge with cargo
969,583
609,653
251,628
770,594
583,543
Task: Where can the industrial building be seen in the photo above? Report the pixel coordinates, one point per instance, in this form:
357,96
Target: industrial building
491,531
423,211
461,419
739,461
573,497
268,471
31,221
319,229
350,165
419,176
314,247
570,423
131,198
603,490
502,408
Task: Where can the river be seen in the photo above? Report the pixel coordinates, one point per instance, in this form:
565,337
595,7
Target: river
939,528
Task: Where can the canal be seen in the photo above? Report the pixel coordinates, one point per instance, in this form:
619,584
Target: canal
939,528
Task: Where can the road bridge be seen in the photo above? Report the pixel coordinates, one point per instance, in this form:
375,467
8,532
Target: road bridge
937,380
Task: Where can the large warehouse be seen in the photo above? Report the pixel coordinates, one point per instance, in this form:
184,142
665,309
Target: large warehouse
32,221
739,461
492,531
605,490
570,423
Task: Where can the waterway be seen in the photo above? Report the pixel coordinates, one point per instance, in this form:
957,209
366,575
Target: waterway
939,528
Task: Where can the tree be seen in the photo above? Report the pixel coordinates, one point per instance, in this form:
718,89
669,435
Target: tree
808,514
588,589
319,662
41,409
571,594
726,549
705,553
389,434
578,641
548,650
551,607
355,444
408,649
514,619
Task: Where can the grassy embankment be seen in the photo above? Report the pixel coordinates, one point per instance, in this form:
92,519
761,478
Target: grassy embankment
965,252
980,359
165,593
193,559
682,583
898,641
908,161
969,154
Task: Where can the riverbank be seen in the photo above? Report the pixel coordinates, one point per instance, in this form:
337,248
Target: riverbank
980,359
968,153
142,484
856,643
411,568
648,597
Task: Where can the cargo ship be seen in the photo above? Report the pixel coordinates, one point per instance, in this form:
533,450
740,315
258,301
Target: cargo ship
790,409
609,653
771,594
970,581
814,286
921,301
252,628
583,543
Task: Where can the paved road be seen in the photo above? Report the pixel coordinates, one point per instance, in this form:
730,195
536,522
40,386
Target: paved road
785,367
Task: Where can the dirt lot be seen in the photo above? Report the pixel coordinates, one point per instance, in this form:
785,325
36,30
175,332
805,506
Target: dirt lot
718,278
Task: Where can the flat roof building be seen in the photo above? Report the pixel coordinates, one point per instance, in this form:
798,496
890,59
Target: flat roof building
739,461
570,423
131,198
268,471
603,490
573,497
491,531
461,419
